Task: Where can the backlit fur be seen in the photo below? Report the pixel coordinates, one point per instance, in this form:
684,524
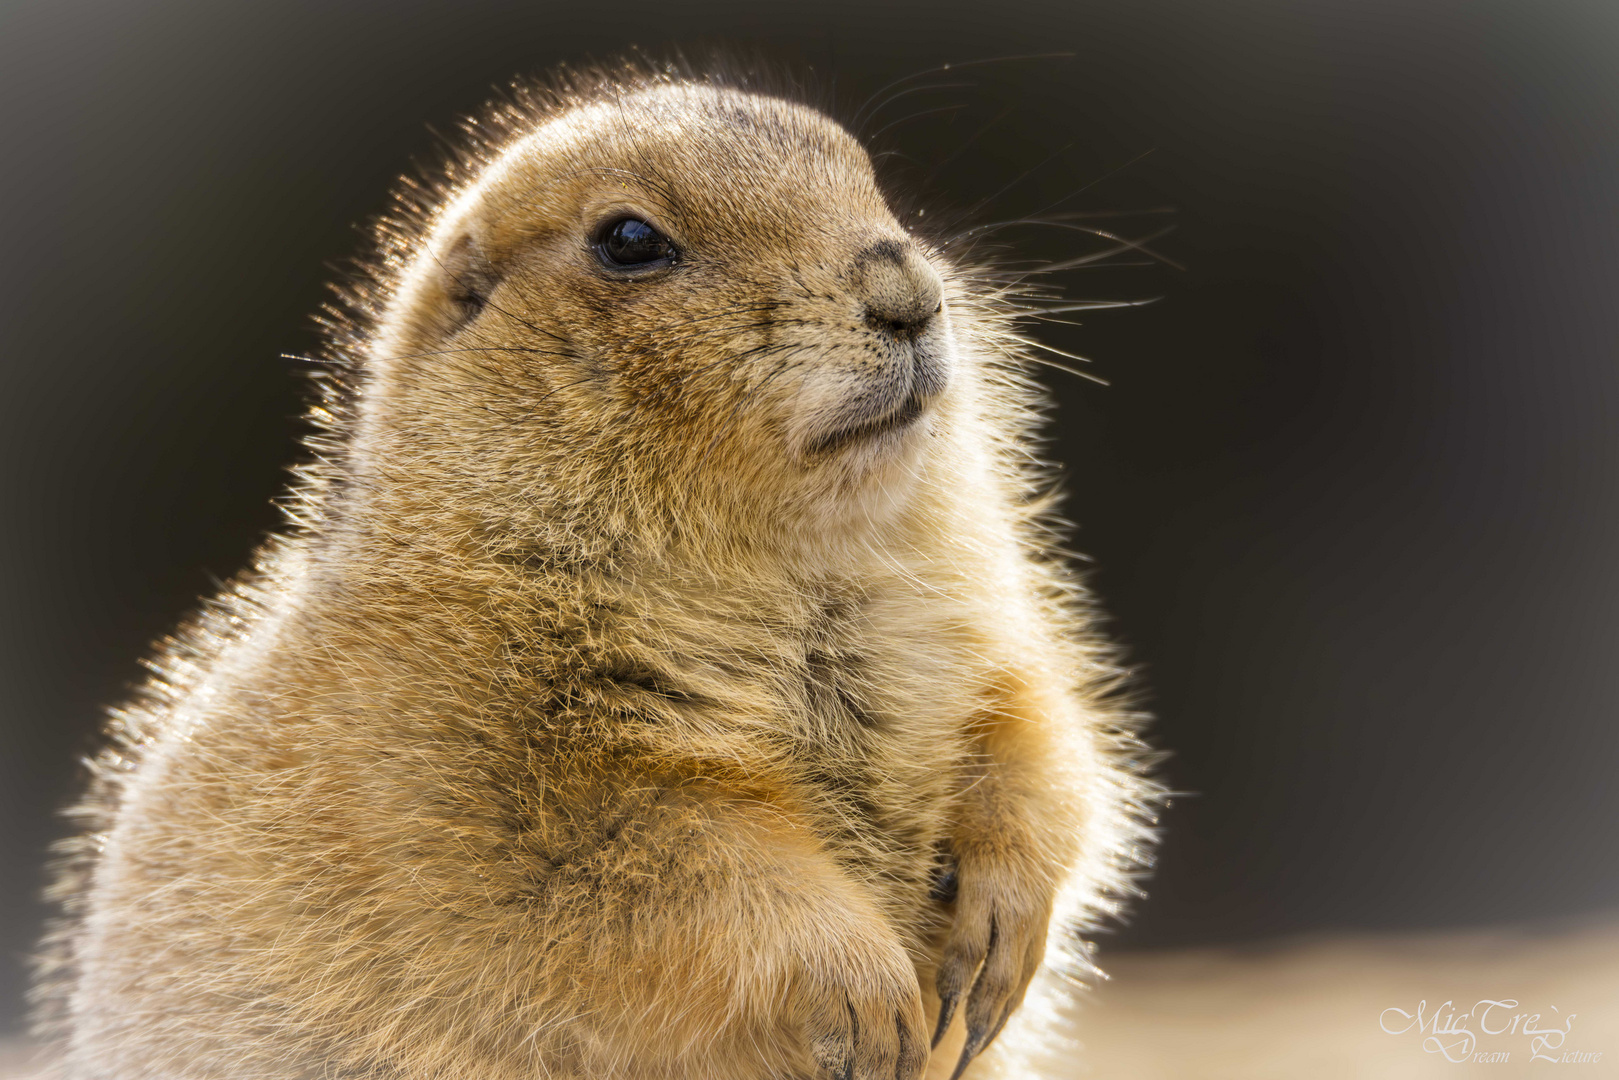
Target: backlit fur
604,712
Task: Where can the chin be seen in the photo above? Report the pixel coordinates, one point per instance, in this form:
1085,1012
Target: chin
869,482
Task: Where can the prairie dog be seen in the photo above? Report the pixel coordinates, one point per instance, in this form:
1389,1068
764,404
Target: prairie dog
667,672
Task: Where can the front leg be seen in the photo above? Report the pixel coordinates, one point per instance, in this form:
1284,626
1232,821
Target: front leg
746,943
1012,842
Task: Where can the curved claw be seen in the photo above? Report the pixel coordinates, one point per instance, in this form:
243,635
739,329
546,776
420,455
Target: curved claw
947,1013
978,1039
955,980
992,952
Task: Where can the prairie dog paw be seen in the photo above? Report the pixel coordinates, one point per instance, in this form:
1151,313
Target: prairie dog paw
992,951
862,1015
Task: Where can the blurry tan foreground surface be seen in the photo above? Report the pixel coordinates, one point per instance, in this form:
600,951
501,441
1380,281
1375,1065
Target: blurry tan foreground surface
1318,1010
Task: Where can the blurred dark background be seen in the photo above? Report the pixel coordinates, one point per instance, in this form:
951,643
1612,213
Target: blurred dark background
1350,494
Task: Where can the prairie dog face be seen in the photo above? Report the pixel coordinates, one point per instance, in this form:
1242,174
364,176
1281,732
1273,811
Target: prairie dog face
703,284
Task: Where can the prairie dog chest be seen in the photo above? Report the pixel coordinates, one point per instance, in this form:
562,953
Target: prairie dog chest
881,669
878,707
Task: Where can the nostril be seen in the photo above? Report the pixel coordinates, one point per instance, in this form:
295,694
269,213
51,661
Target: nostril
904,325
902,293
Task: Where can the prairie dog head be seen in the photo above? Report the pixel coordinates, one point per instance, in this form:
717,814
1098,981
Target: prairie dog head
683,297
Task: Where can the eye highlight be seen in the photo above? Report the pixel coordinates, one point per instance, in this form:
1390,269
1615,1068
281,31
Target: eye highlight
628,243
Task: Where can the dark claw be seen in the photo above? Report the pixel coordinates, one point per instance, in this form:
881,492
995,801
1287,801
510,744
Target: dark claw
1005,1016
845,1068
979,1035
945,886
840,1067
977,1039
854,1042
947,1013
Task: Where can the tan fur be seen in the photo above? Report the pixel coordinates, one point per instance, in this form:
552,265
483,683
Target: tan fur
592,721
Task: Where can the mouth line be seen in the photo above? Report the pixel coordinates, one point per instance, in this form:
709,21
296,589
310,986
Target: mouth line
904,416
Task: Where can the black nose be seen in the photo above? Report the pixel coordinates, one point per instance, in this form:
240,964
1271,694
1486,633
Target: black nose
902,292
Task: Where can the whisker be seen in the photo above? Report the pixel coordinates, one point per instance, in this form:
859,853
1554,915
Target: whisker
962,147
736,411
739,309
1036,343
446,352
1044,362
557,390
1071,215
1009,272
914,116
662,185
1086,187
906,93
860,112
1122,244
1015,181
733,358
1051,223
698,335
487,302
884,154
1047,319
1087,376
1088,305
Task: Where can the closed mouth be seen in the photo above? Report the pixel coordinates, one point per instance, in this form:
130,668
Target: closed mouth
904,416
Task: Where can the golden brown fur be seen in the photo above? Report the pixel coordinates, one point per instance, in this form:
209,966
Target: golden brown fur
606,713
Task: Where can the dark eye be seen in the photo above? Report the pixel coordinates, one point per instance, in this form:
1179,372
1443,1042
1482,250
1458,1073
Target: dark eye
631,242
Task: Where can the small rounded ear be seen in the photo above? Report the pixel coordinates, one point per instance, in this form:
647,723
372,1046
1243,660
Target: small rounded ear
469,279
